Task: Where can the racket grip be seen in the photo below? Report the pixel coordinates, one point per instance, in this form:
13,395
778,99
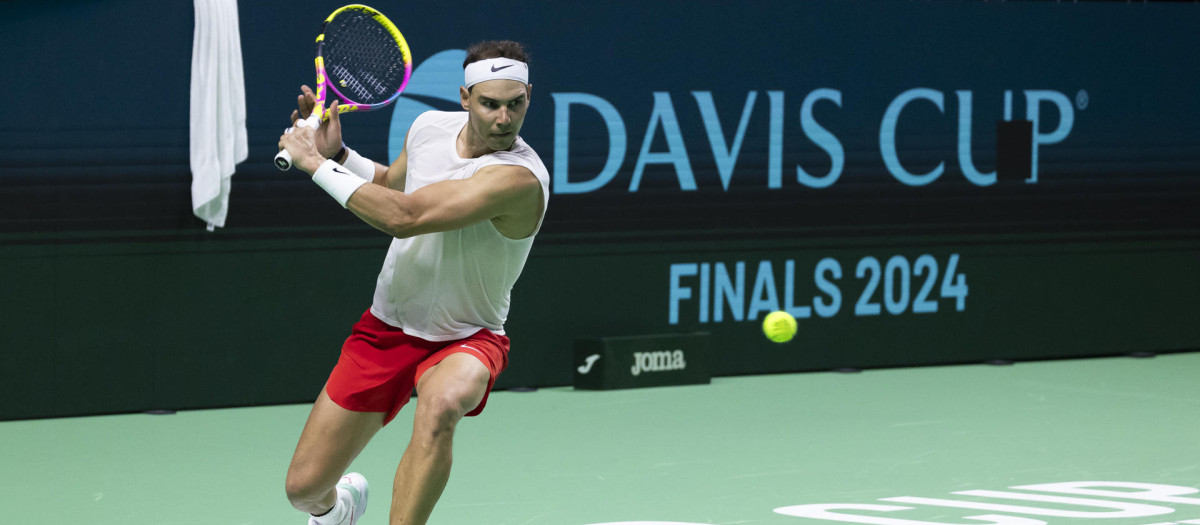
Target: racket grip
283,160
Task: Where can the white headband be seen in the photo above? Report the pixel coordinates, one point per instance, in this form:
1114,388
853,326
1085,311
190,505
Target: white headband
496,69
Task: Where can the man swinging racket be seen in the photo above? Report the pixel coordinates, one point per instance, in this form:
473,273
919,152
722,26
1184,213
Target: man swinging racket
463,202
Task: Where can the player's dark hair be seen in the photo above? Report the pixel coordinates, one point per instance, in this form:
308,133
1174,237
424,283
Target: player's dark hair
496,49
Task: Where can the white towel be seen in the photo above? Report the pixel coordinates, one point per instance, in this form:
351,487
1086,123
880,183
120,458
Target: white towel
218,108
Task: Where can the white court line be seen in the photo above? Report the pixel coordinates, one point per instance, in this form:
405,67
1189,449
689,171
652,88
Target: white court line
1189,522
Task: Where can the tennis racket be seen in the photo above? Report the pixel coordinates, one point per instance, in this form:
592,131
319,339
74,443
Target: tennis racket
363,58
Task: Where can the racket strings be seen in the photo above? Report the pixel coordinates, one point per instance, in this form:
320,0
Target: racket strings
363,60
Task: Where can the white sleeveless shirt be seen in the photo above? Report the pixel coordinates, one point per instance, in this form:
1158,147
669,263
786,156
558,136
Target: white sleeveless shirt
447,285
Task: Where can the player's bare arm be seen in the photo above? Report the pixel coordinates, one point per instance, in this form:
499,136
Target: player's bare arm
509,196
307,145
329,143
393,176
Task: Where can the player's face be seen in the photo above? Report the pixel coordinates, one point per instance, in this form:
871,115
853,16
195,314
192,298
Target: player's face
497,110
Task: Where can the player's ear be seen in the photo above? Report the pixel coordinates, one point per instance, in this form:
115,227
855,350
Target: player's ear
465,96
528,93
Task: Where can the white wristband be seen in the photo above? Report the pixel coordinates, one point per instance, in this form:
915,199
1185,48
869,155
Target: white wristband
336,181
359,165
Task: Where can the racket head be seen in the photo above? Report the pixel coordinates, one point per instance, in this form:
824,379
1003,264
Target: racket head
363,58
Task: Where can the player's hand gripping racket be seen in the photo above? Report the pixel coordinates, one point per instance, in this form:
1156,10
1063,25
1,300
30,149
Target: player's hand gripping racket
363,58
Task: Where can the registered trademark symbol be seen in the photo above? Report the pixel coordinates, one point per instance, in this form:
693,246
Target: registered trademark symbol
1081,99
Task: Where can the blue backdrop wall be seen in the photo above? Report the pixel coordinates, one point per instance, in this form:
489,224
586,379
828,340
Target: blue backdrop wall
918,182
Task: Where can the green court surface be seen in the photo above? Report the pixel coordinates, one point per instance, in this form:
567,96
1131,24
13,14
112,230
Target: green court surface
732,452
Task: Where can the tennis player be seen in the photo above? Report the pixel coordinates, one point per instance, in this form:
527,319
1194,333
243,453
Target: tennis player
463,202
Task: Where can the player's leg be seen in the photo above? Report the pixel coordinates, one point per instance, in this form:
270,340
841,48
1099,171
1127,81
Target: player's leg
445,393
371,381
332,438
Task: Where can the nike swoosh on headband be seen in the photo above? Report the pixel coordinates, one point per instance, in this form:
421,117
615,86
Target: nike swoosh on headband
495,69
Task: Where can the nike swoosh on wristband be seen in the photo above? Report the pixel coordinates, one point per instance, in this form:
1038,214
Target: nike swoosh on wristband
495,69
339,170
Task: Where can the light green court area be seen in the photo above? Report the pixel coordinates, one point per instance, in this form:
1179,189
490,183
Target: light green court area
727,453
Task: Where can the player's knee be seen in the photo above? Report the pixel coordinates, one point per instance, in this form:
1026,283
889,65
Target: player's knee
443,410
444,407
303,491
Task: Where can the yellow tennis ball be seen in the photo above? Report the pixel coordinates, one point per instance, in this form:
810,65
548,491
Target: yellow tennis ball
779,326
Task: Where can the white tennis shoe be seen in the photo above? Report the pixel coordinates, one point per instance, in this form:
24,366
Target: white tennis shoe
351,502
353,487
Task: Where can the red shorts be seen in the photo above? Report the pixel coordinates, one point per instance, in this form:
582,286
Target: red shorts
380,365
